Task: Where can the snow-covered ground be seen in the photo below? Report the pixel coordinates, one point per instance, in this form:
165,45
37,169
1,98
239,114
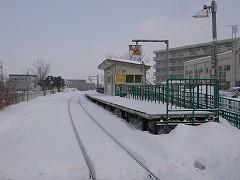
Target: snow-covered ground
37,142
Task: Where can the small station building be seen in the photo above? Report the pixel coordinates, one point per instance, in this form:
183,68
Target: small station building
120,72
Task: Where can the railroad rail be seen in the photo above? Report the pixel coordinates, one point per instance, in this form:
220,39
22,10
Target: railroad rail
92,174
88,160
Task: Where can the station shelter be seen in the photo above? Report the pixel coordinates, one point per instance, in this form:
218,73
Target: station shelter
120,72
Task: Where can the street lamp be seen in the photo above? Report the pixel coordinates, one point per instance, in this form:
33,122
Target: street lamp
51,85
201,14
205,13
143,82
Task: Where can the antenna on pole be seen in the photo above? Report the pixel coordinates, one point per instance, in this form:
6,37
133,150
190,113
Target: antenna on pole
234,30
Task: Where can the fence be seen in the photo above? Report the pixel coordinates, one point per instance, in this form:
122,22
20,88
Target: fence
203,98
195,96
230,110
8,98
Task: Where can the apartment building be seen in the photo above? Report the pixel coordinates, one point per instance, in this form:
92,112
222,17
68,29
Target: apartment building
179,55
228,68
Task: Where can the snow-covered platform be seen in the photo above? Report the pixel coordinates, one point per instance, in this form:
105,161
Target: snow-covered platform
149,111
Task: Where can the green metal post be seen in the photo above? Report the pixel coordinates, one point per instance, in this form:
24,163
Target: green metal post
167,103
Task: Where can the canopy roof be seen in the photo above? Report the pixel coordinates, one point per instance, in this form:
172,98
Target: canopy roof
109,62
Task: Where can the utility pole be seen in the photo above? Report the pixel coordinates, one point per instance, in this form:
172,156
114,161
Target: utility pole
214,65
205,13
1,75
234,47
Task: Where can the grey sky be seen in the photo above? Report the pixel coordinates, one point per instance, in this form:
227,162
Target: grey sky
75,35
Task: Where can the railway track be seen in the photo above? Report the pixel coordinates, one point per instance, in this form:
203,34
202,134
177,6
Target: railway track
88,161
105,138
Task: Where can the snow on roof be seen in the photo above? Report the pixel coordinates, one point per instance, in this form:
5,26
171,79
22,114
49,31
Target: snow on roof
109,62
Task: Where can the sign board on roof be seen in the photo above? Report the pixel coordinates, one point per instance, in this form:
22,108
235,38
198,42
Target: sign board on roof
135,50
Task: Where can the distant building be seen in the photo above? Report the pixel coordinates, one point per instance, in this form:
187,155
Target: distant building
22,82
179,55
122,72
79,84
228,68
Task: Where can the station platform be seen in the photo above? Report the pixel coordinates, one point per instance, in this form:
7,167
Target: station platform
149,111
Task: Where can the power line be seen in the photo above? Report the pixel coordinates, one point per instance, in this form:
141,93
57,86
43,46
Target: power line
18,69
12,66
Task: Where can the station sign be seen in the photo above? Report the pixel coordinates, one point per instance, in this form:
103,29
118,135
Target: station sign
120,78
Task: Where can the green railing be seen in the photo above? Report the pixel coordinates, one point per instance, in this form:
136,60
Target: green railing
184,97
230,110
192,96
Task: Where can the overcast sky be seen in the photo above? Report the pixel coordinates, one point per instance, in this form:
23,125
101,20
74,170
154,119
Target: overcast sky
76,35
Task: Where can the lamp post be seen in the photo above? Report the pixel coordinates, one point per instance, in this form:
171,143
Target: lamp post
143,82
202,14
28,86
52,86
205,13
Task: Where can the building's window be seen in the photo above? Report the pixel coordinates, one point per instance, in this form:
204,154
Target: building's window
196,71
138,78
222,71
222,74
229,44
129,78
228,67
180,53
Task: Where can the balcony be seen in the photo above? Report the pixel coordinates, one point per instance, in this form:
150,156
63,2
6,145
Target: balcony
193,53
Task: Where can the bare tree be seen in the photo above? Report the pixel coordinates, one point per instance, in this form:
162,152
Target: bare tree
40,68
110,56
125,56
2,92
